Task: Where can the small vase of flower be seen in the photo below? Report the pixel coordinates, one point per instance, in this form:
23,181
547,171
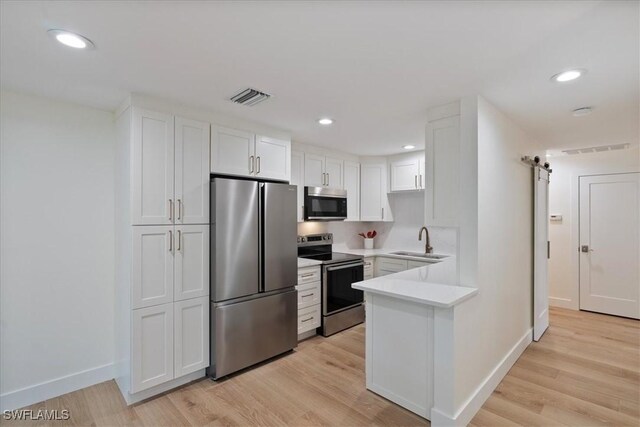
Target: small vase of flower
368,238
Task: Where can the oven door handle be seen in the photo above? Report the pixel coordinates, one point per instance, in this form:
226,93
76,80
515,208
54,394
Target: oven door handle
342,267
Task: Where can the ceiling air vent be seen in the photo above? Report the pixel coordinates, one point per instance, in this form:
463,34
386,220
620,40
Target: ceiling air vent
249,97
598,149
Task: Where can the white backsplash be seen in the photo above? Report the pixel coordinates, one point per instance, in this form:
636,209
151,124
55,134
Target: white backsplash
408,214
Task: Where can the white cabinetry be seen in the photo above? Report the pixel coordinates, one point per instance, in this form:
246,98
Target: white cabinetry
151,347
191,335
407,172
374,205
169,169
442,188
369,268
309,301
297,178
321,171
162,251
352,185
236,152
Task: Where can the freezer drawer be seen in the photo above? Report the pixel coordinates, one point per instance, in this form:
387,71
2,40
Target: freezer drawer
249,332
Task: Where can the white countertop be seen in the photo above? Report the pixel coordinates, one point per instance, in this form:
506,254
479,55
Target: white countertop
305,262
434,284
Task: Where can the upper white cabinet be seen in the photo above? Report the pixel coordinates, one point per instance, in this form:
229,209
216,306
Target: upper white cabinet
442,187
235,152
407,172
374,205
321,171
352,185
273,158
297,179
169,169
152,168
191,171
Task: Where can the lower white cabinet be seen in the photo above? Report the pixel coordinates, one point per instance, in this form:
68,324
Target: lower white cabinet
151,346
384,266
309,300
191,335
369,268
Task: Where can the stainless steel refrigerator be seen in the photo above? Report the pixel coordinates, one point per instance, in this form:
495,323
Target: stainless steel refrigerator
253,273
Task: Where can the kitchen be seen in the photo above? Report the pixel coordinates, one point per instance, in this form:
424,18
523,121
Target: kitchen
267,250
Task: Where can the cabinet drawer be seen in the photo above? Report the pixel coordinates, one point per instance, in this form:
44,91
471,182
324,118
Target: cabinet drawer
308,275
368,275
416,264
308,319
308,294
391,264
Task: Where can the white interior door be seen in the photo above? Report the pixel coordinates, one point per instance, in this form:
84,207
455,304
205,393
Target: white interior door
192,172
540,252
609,244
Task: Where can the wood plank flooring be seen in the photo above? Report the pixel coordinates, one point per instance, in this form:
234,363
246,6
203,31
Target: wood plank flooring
584,372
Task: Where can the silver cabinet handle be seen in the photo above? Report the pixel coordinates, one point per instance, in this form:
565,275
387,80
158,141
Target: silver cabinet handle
179,240
170,241
323,178
170,210
307,275
415,180
306,296
258,165
250,164
328,180
179,209
420,180
306,320
382,212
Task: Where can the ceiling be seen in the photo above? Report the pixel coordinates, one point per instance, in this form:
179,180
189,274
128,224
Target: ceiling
375,67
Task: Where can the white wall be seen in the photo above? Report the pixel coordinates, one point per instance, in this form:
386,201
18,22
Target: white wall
496,212
57,246
563,199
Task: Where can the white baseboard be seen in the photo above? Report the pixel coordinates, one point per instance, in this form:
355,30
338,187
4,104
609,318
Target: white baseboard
56,387
563,303
473,404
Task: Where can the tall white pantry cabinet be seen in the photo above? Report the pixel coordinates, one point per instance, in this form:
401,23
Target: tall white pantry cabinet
162,251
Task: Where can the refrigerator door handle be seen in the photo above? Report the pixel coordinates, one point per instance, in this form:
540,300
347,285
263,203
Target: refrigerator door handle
261,236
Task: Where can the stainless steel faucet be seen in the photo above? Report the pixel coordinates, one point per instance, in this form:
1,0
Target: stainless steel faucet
427,247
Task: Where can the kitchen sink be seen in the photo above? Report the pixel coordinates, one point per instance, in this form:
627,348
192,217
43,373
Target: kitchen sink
419,255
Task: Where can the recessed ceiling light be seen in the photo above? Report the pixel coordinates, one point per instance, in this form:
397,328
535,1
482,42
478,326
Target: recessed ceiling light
567,76
409,147
325,121
584,111
70,39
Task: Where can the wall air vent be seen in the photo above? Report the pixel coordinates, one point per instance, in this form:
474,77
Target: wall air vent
598,149
249,97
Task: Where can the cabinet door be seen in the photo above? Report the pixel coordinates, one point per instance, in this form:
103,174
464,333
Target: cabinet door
352,185
151,347
442,188
273,158
333,170
415,264
192,172
421,165
152,272
314,171
372,184
191,335
404,174
297,176
232,151
152,168
191,262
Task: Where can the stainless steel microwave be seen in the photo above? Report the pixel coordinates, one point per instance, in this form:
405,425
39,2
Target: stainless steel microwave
325,204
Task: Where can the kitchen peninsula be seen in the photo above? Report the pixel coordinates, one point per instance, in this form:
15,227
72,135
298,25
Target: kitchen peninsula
409,334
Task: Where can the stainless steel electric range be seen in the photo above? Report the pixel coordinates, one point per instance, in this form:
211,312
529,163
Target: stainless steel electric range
342,306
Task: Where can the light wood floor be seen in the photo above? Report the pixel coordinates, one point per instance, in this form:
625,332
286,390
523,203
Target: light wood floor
585,371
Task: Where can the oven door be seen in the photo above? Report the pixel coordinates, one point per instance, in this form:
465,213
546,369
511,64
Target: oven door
337,293
324,204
